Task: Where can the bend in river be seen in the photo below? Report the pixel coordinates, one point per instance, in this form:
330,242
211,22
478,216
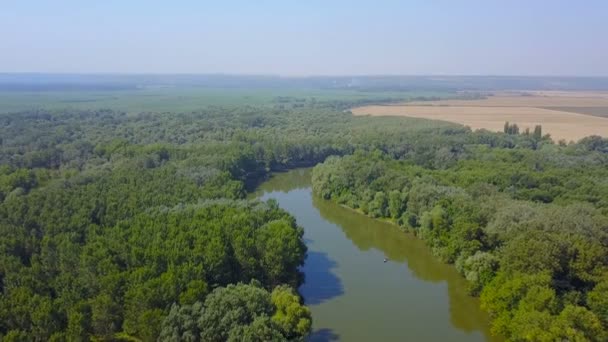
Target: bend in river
354,295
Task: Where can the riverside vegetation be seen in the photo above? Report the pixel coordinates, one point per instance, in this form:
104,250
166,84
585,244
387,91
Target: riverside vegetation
118,226
526,226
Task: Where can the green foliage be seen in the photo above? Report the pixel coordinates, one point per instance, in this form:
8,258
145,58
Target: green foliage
111,223
291,316
239,312
230,307
527,227
511,128
479,269
378,207
181,324
131,273
397,203
262,329
597,299
107,219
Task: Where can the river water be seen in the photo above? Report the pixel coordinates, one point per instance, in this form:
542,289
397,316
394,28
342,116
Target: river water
354,295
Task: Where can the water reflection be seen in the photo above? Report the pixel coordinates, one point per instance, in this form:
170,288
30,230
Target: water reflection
354,295
398,246
321,283
286,181
323,335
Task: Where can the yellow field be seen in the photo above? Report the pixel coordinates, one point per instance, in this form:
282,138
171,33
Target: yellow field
558,112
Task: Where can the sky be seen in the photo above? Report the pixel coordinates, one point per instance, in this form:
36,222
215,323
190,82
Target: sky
303,38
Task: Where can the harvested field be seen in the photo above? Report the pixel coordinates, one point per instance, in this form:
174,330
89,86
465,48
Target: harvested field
529,99
564,115
595,111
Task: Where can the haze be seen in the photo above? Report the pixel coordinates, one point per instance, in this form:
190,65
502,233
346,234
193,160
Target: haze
306,37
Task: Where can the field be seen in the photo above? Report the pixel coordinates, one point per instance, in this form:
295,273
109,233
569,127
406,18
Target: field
187,99
568,115
565,115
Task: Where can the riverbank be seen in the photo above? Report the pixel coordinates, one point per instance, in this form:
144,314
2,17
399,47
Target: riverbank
353,294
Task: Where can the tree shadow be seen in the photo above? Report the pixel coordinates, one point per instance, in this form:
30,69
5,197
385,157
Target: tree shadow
320,283
323,335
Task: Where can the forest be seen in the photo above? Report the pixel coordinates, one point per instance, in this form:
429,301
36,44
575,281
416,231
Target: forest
119,226
526,225
136,226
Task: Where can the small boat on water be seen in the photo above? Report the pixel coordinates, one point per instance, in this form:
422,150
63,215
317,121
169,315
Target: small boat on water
385,259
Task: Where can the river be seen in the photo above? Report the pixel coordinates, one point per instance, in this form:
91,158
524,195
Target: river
354,295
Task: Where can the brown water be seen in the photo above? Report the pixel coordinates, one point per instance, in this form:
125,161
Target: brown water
354,295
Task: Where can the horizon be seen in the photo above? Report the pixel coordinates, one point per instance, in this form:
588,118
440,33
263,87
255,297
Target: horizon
110,73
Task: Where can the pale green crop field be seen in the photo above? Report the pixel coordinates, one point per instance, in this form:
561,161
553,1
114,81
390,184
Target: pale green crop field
188,99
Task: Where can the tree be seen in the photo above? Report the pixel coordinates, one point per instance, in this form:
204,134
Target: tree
378,207
597,299
576,323
181,324
196,290
396,203
280,247
479,269
508,297
79,320
532,252
262,329
105,317
293,318
514,129
538,132
230,307
239,312
16,336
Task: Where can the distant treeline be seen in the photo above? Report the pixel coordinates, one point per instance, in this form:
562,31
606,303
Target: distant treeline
41,81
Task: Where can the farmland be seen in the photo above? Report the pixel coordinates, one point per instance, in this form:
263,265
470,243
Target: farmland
565,115
188,99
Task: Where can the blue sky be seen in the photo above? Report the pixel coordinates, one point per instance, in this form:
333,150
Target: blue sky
313,37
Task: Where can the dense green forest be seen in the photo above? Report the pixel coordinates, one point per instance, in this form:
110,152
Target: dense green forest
136,226
527,226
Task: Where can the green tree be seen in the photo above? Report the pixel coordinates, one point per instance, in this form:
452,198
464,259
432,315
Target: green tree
262,329
378,207
105,316
396,203
230,307
538,132
293,318
281,249
181,324
597,299
576,323
479,269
